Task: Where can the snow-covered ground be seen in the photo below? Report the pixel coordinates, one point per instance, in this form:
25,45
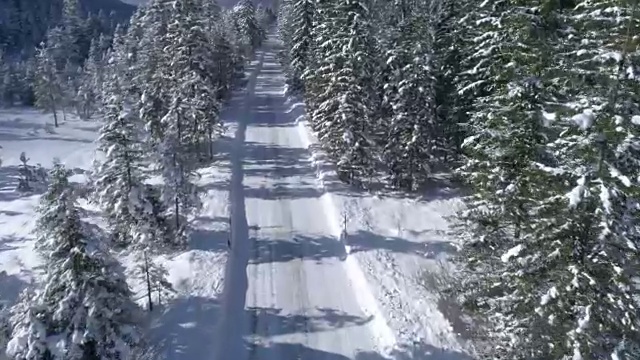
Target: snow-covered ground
290,288
32,132
181,328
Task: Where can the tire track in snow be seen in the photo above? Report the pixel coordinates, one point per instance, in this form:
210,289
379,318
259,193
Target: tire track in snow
234,324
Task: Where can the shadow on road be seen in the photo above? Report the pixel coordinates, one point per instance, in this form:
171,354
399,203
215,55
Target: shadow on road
302,247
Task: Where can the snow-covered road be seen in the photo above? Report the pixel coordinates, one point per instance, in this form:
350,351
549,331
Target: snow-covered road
287,292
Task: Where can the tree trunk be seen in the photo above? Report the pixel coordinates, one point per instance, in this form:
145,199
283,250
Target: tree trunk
146,270
54,110
177,206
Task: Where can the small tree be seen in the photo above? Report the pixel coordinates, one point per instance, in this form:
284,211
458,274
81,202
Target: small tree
47,86
28,174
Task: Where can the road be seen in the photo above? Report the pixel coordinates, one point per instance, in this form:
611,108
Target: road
287,294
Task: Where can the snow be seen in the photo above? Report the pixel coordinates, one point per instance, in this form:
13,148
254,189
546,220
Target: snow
514,251
181,328
576,194
635,119
30,131
584,120
291,286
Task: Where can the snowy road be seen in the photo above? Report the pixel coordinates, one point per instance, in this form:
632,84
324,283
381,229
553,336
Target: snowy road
287,294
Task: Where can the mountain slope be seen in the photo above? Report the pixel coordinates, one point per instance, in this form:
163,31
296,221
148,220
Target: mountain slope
23,24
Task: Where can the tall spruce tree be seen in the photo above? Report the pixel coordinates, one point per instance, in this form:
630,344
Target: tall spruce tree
410,141
302,14
505,154
84,310
587,230
48,87
341,88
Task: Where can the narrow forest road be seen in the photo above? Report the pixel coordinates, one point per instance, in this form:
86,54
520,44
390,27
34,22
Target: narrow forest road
287,295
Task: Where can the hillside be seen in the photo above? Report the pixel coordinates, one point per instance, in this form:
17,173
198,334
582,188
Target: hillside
23,24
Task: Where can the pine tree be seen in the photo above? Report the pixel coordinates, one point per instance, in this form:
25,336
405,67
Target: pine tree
302,13
87,97
410,141
505,154
48,88
72,32
450,50
5,329
249,32
285,31
119,176
341,87
587,229
84,309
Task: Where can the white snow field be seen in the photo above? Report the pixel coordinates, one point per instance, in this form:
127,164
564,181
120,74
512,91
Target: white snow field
27,130
291,290
180,329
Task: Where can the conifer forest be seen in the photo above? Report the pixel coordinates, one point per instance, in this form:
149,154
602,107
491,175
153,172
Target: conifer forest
197,117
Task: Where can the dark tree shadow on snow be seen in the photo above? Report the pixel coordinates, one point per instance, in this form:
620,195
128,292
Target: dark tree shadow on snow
8,243
206,239
416,351
325,320
298,247
367,241
185,328
10,288
17,129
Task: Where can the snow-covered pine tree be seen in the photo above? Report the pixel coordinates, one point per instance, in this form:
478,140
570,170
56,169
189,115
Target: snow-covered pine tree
73,33
194,76
47,85
449,50
302,13
250,35
410,141
262,19
505,153
587,232
120,175
223,57
5,81
192,111
70,80
340,86
284,29
28,174
227,24
5,326
90,83
84,310
149,82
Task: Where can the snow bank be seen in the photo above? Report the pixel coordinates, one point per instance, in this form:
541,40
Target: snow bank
383,333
